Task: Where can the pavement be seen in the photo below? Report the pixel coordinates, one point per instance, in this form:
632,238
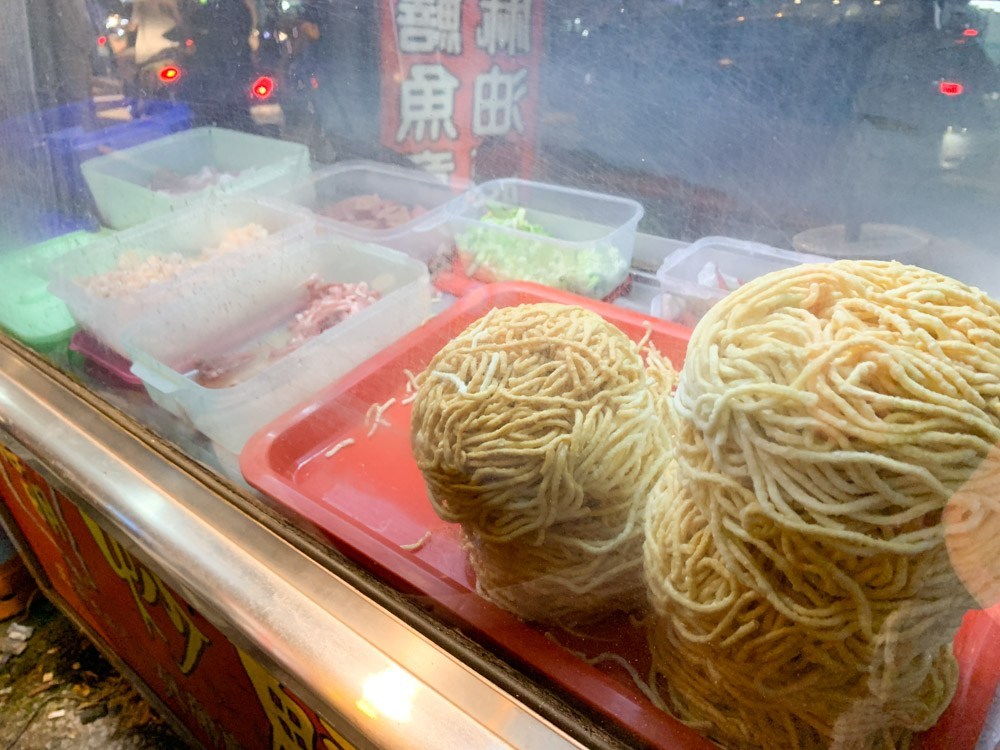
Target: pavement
59,693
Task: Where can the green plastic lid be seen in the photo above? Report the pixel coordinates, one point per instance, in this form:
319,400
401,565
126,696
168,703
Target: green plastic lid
27,310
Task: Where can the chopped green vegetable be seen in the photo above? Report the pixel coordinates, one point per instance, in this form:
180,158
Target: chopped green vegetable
593,270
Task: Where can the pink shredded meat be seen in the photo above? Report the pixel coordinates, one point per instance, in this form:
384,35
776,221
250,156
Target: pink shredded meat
329,304
372,212
326,306
219,371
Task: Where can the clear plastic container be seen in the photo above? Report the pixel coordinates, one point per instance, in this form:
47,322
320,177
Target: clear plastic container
27,310
423,237
64,137
694,278
188,233
248,314
584,245
874,242
123,183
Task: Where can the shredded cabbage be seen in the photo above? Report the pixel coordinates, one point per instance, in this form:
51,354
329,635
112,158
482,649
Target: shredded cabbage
593,270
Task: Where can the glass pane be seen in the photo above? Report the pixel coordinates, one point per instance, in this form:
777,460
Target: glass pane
740,475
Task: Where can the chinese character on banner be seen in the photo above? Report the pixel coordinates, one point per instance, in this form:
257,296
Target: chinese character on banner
427,103
148,589
505,26
495,104
292,727
435,162
460,84
430,26
450,26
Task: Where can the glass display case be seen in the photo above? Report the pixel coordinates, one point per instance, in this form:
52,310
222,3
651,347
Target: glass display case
512,373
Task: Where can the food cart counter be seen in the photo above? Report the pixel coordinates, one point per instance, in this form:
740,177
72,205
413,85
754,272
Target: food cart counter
219,608
505,373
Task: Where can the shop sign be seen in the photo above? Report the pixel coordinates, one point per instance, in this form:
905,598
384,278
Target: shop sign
221,693
459,76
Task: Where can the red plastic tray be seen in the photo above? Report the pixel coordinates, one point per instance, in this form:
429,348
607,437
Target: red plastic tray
369,499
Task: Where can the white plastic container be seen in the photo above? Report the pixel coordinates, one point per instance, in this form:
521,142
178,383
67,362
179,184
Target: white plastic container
874,242
249,311
189,233
120,182
589,250
694,278
421,238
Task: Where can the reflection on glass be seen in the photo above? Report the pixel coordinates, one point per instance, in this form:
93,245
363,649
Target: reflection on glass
665,156
388,694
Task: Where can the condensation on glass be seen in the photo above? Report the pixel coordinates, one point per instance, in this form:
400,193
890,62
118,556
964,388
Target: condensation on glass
251,224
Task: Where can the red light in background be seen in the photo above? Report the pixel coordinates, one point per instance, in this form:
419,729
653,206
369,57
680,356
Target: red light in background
101,41
263,87
950,88
313,82
189,43
970,32
170,73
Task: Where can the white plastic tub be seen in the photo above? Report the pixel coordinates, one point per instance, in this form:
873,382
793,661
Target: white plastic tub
422,237
188,233
589,245
121,181
874,242
694,278
249,311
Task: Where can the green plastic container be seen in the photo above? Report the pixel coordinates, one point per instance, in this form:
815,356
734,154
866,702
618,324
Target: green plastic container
28,312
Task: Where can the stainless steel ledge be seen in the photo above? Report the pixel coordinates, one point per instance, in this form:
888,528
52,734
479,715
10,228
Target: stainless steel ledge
315,632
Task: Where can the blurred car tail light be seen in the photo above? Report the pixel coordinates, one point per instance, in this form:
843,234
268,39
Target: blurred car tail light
262,88
101,41
970,32
170,73
950,88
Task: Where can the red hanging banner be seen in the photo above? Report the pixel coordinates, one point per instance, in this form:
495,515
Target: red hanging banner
460,83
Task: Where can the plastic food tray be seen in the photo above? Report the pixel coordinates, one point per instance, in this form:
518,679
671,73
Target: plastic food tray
27,310
108,366
369,499
120,181
685,300
236,313
64,137
577,220
186,232
421,238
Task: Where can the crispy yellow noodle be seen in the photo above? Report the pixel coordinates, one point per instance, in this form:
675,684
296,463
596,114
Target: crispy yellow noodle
537,430
795,556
